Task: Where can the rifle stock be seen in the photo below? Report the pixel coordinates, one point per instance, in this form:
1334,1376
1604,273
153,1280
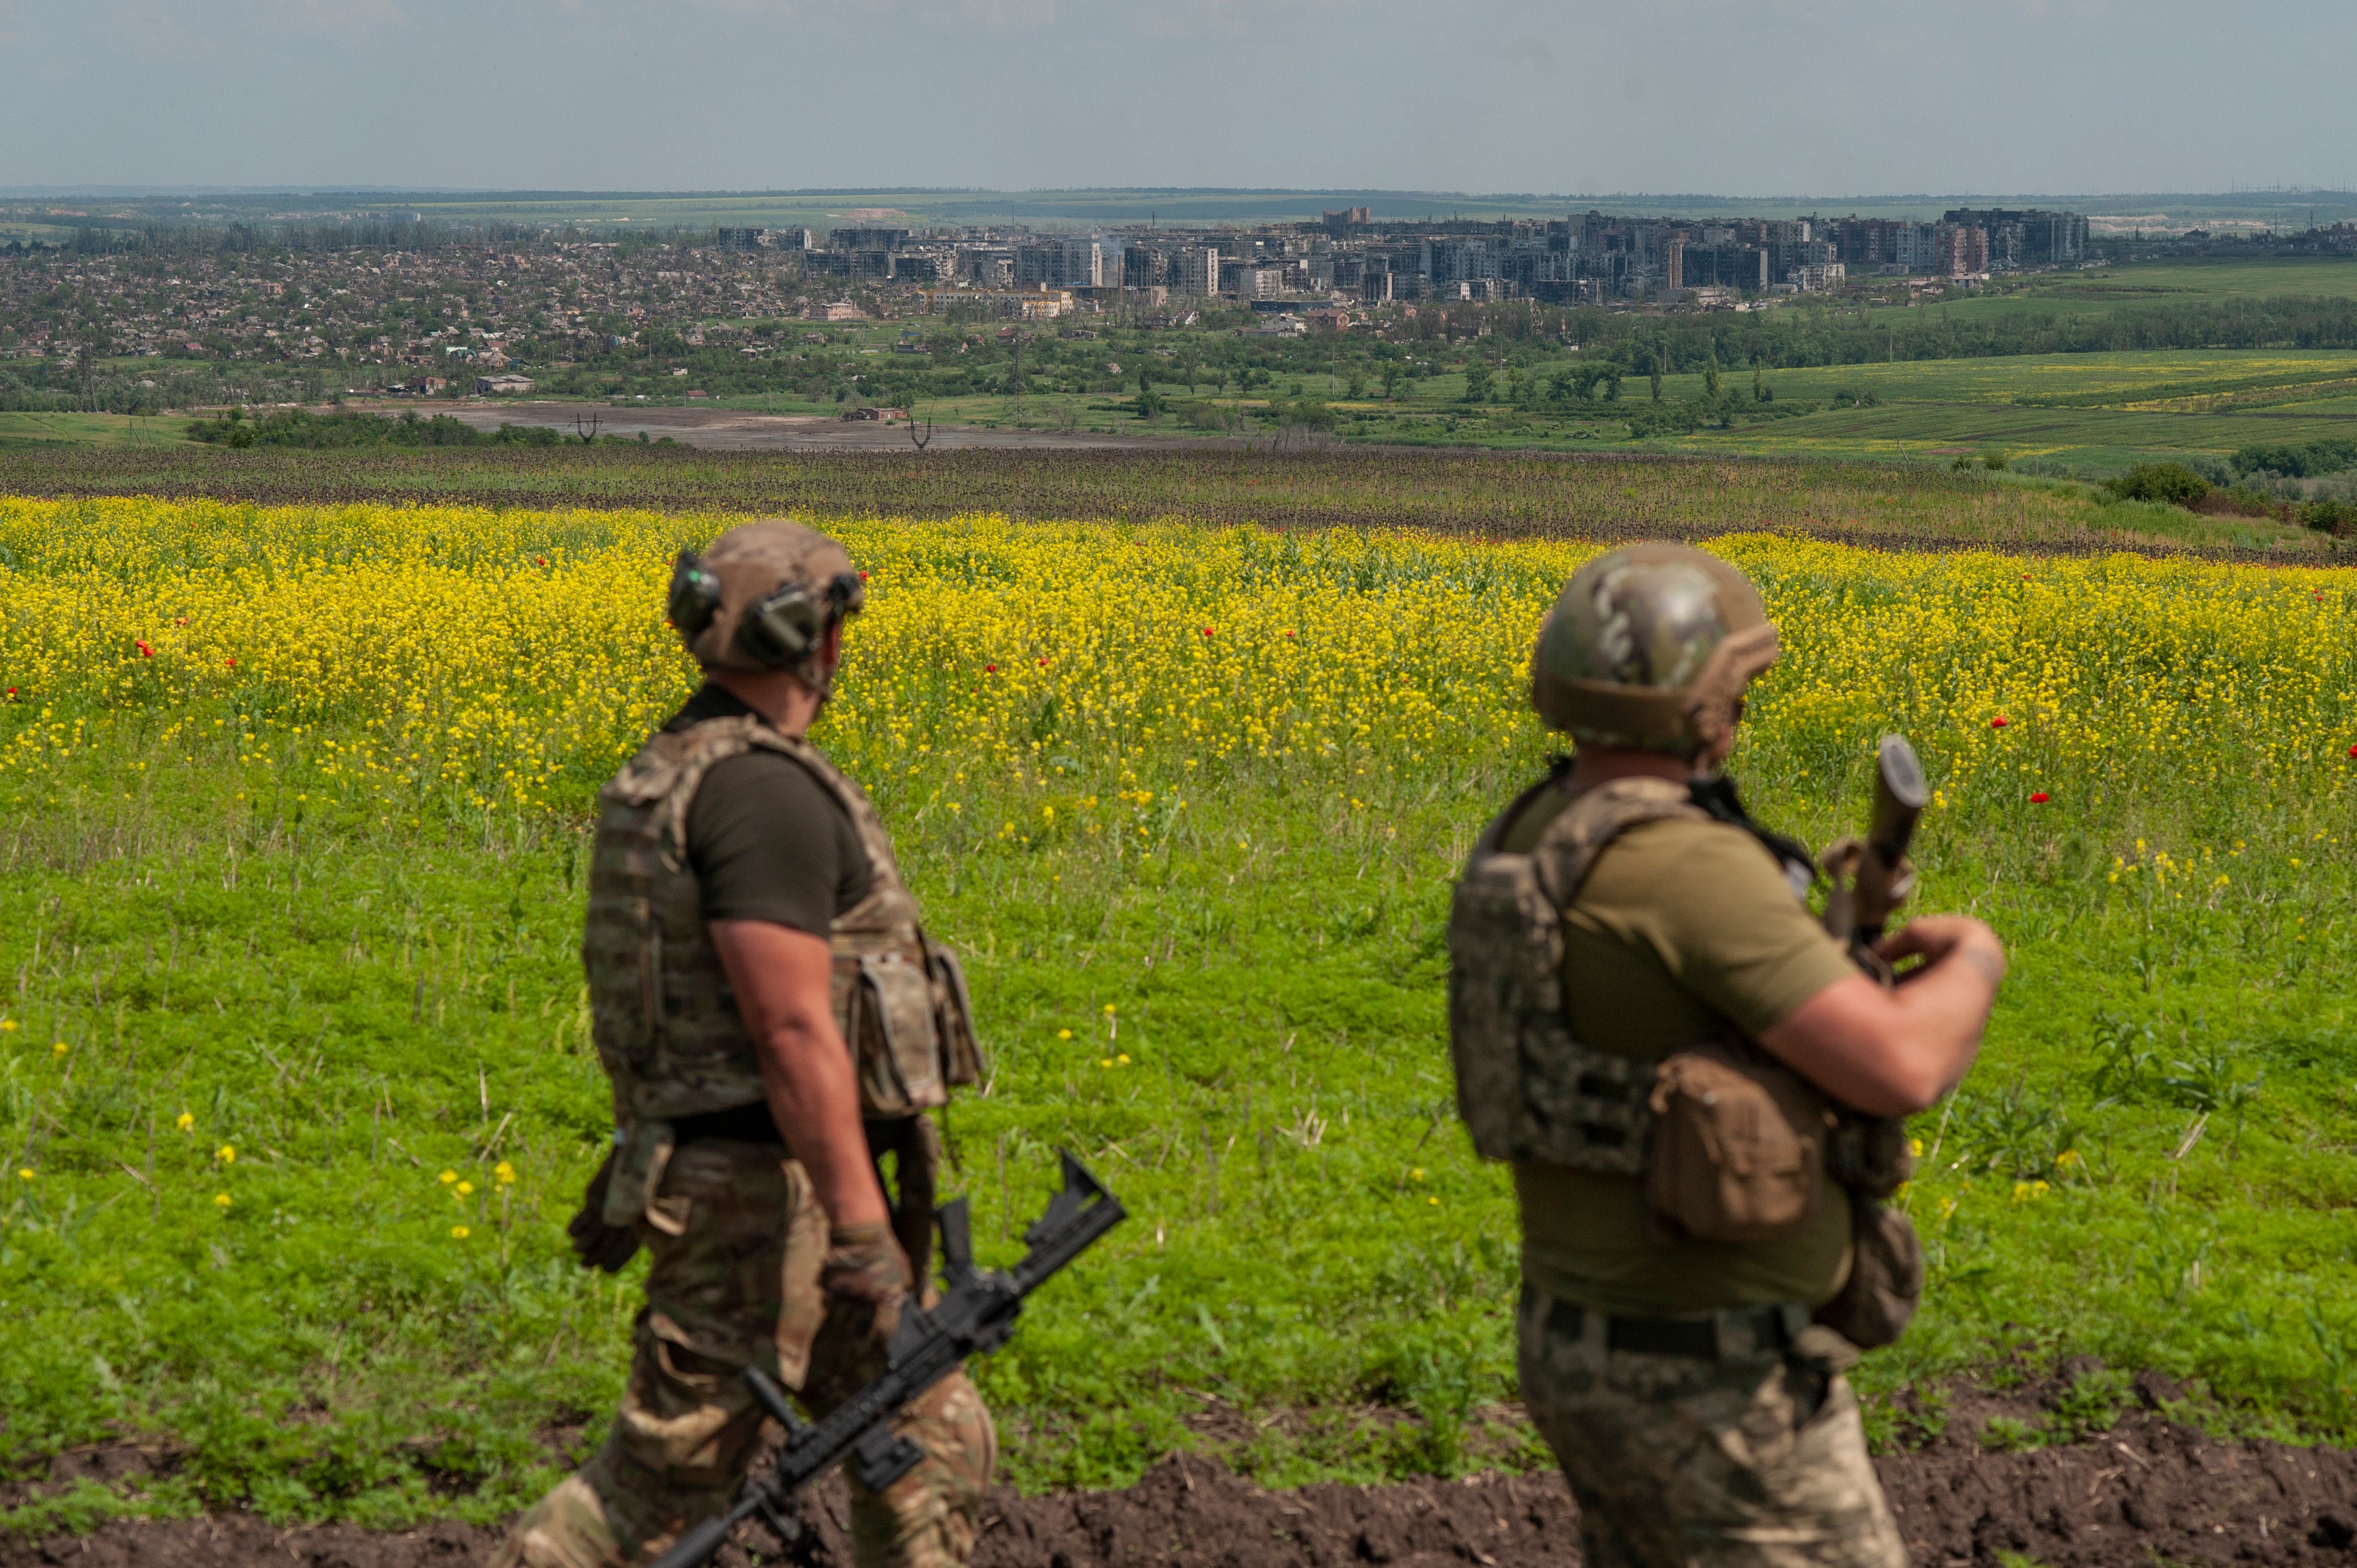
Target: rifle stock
977,1313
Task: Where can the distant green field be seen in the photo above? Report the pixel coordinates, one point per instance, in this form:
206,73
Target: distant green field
88,430
2108,289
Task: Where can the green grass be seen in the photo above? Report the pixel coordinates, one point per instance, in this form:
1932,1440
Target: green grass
2109,289
355,1005
88,430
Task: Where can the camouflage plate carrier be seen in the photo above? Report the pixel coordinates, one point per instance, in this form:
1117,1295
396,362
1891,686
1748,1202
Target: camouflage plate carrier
664,1018
1526,1088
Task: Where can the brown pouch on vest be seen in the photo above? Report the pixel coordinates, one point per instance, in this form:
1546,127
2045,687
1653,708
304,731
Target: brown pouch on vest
1737,1150
953,1011
1886,1280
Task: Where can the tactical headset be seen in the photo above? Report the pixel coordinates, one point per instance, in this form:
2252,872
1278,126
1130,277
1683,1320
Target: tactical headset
776,631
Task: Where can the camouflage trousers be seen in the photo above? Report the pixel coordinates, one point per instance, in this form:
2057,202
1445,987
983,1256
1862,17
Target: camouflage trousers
1738,1461
738,1238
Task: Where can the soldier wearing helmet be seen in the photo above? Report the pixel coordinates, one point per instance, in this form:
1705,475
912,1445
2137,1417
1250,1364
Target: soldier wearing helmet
774,1020
1622,923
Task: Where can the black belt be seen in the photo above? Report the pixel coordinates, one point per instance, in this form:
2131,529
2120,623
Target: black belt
1759,1331
739,1124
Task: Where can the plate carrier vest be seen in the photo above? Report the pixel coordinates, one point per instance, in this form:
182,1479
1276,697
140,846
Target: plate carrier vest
1526,1086
662,1012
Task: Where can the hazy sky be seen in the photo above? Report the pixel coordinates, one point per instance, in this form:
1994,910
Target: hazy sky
1775,97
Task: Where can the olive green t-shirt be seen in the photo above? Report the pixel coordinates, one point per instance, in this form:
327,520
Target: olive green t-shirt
1681,928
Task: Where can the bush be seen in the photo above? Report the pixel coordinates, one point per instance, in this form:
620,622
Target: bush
2334,517
2172,484
300,427
1665,418
2297,460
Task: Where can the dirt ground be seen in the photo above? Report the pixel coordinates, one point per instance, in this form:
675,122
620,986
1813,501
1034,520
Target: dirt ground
736,430
2147,1492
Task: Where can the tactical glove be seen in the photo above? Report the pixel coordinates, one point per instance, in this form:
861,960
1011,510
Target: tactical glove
596,1243
865,1280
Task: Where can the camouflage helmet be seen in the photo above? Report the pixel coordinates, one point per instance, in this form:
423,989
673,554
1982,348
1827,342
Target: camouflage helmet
763,598
1649,647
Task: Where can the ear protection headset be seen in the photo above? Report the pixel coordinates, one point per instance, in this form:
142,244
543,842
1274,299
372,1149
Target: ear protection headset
776,631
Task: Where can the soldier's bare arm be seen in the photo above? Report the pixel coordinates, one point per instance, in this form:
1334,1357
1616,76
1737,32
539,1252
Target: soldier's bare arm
780,979
1894,1052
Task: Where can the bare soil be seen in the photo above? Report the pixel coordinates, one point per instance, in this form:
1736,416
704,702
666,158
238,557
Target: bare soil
2150,1491
737,430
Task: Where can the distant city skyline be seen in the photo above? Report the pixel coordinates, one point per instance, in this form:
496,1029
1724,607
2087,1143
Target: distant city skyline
2010,98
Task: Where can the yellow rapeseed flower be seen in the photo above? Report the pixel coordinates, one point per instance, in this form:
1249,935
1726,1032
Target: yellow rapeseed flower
220,1200
459,1232
226,1154
185,1122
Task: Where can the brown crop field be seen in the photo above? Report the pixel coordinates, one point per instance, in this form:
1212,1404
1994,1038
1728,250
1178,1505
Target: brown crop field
1485,495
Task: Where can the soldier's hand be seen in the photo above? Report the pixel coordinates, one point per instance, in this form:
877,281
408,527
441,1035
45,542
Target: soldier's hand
865,1280
1938,938
596,1243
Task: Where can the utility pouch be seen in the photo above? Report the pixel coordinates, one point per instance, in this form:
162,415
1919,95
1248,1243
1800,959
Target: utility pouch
1737,1147
638,1171
962,1063
1885,1279
895,1043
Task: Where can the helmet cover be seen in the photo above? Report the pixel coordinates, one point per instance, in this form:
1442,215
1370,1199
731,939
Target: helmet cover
1649,647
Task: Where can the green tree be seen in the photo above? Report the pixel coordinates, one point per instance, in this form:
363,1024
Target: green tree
1661,366
1476,383
1392,376
1710,378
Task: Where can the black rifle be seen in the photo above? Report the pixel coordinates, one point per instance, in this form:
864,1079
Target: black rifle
977,1315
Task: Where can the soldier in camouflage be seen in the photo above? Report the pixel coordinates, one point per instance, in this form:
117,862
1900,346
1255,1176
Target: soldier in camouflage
1625,912
775,1022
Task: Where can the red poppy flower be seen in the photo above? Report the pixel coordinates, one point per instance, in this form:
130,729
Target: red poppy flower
539,559
1206,631
145,652
2038,797
990,669
863,576
1288,633
2353,750
1043,665
233,663
1999,722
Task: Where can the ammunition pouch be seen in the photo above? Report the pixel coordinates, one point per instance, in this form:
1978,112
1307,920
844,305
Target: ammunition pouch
1737,1152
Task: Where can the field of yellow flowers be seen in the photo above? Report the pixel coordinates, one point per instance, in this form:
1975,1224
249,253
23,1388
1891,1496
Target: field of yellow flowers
295,1097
